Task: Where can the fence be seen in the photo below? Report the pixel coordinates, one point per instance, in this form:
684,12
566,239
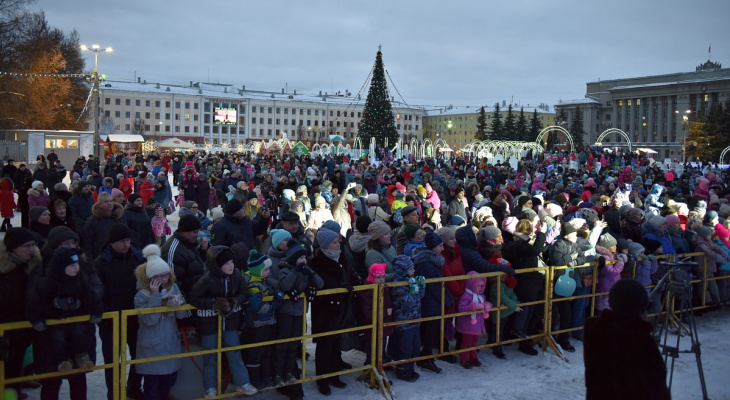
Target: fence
17,151
374,372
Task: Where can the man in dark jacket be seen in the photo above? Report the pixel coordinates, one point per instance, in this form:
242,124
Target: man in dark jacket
498,206
95,231
182,252
9,169
621,357
136,218
291,223
234,227
81,203
473,261
115,266
565,251
21,175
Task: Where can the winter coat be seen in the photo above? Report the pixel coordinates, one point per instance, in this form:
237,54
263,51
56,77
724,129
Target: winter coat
652,232
162,197
202,195
608,276
411,246
330,312
7,199
340,213
158,334
507,298
679,242
259,312
107,186
471,259
289,280
428,264
454,266
355,249
468,302
318,217
126,187
622,360
14,282
385,256
186,260
645,268
711,250
95,234
215,284
81,206
147,190
138,221
38,199
229,231
563,252
406,305
116,272
20,176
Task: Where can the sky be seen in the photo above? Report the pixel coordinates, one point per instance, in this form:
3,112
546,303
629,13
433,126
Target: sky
437,53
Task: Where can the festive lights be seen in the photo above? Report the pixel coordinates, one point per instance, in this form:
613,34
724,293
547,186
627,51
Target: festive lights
378,120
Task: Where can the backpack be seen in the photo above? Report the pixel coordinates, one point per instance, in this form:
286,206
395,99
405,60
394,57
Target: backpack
397,218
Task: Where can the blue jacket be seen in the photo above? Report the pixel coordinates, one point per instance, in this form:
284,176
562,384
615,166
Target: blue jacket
652,232
428,264
406,305
259,312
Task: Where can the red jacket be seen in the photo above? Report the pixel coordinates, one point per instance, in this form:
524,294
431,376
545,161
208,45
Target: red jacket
125,185
7,201
146,190
454,267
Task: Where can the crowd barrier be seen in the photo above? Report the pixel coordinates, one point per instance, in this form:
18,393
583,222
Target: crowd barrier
373,372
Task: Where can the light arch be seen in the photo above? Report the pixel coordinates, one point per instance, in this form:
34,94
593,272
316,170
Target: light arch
614,130
551,128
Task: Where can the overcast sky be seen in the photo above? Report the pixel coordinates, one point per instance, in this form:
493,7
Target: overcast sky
471,52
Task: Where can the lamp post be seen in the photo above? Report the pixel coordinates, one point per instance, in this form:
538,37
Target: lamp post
95,88
449,125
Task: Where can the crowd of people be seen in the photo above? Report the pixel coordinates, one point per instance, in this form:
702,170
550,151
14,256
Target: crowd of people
254,227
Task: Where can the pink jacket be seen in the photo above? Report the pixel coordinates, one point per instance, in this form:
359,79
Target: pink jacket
433,199
473,300
609,275
723,234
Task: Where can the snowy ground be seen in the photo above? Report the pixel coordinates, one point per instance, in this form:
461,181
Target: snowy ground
518,377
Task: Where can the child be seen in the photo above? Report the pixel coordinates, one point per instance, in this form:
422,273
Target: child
295,278
415,236
398,205
160,227
376,276
471,326
7,203
260,319
158,334
406,339
646,265
221,292
151,207
65,292
608,274
507,298
714,257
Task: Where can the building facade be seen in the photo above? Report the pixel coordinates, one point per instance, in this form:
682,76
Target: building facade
654,111
222,114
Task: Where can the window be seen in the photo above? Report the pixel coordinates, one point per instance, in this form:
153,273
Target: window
187,129
126,127
269,132
187,105
195,117
167,104
301,111
269,121
278,121
147,128
278,110
261,120
107,101
177,117
167,128
195,106
177,104
620,103
195,129
127,102
286,121
136,114
261,132
157,103
187,117
316,112
157,128
147,104
137,102
206,129
62,143
253,108
107,113
286,111
206,107
270,110
117,113
128,114
157,115
118,102
167,115
352,114
628,102
638,102
177,129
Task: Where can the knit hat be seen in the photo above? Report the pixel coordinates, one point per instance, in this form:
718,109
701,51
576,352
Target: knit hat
59,235
278,236
562,199
522,200
410,230
319,201
577,223
651,245
629,297
224,255
401,265
446,233
362,222
671,219
712,215
657,221
189,223
491,232
407,210
704,231
155,264
456,220
528,213
116,193
327,184
373,198
151,201
378,229
290,216
493,195
588,213
251,196
118,232
217,214
432,240
294,251
553,210
566,229
325,237
35,184
606,240
16,237
36,212
376,270
133,197
65,256
509,224
257,262
621,244
332,225
233,206
635,248
60,187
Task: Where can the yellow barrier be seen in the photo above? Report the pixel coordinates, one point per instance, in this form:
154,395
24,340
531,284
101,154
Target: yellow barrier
374,372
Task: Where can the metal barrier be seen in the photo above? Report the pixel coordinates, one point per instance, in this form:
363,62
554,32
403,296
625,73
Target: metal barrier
374,372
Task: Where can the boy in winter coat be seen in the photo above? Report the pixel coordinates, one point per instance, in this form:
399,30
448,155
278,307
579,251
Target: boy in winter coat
65,292
158,334
471,326
260,318
406,339
221,292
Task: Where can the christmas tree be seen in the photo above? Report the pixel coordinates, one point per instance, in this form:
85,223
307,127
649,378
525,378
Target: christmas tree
377,119
576,129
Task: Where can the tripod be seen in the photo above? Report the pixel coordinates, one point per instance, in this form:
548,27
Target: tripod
678,293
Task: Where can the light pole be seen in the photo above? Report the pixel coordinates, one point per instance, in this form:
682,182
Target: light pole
449,125
95,88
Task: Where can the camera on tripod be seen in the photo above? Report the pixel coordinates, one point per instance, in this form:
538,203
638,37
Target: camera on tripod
680,276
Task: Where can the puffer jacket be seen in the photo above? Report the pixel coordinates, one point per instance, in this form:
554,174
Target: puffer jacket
186,259
652,232
259,312
472,260
330,312
608,276
95,232
38,198
406,305
386,256
215,284
679,242
139,222
468,302
711,250
290,279
428,264
158,334
81,206
563,252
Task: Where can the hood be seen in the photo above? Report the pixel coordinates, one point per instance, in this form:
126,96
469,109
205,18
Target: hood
359,241
7,264
6,184
143,282
472,283
116,212
210,263
422,254
647,228
35,193
657,189
108,180
465,238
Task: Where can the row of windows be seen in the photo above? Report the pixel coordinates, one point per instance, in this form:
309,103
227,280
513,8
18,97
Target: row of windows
147,115
138,103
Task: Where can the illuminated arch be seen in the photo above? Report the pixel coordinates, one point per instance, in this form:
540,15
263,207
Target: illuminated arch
722,155
613,130
543,132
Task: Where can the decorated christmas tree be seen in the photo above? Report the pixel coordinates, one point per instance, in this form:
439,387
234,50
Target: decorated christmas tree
377,119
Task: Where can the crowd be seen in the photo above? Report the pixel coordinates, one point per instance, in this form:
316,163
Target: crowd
285,227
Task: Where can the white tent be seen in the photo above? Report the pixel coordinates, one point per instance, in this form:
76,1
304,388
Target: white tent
175,143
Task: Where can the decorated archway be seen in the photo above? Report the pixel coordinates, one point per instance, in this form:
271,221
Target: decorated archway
610,131
551,128
722,155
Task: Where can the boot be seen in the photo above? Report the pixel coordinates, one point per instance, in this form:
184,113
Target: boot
83,361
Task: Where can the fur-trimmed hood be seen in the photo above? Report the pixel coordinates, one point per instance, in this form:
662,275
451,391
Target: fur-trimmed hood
36,193
7,264
116,213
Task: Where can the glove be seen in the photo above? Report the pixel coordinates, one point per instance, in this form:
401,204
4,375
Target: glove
95,319
650,256
232,304
174,301
300,267
503,261
278,296
311,293
294,295
221,306
420,280
40,326
509,271
413,287
168,230
622,258
601,263
720,258
349,287
308,272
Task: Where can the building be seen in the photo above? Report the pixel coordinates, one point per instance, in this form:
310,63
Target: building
464,121
225,115
654,111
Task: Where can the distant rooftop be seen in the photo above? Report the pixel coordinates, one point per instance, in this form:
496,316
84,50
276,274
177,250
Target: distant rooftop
575,102
451,110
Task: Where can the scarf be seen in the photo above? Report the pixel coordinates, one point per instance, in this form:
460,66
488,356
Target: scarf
475,298
332,254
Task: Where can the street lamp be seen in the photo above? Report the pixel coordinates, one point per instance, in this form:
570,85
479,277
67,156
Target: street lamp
449,125
95,88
